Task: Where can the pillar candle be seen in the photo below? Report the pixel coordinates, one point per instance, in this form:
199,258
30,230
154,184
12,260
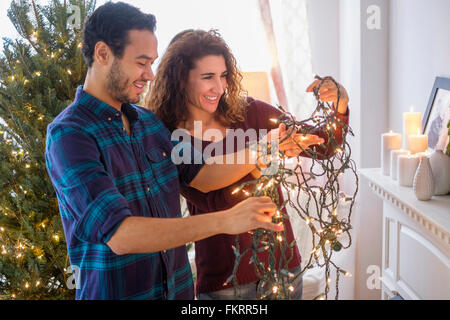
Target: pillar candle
394,162
418,142
389,141
407,166
411,122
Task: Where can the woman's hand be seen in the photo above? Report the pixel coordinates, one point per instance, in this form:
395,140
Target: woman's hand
329,93
296,144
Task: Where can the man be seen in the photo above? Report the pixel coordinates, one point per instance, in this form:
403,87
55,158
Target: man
117,188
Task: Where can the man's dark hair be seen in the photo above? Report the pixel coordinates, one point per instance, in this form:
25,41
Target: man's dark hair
111,23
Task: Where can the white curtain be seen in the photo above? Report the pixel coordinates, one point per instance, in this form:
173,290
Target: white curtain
286,25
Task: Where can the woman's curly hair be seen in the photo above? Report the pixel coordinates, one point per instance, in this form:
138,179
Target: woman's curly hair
167,97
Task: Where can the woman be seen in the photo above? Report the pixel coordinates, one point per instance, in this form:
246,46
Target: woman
197,80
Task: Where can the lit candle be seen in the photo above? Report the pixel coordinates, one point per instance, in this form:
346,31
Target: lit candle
407,167
394,162
389,141
418,142
411,122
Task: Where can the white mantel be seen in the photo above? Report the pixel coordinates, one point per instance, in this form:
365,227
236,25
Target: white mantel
416,241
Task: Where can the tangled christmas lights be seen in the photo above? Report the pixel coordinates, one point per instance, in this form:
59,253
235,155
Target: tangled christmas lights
325,209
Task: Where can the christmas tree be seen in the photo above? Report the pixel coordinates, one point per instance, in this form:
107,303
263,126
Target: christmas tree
38,76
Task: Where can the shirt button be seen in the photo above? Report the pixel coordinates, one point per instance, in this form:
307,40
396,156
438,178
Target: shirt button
164,154
109,119
148,189
117,114
123,129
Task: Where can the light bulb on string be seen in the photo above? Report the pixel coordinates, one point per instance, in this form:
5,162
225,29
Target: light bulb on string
235,191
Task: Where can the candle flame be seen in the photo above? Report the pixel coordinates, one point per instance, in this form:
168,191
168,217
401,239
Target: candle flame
412,109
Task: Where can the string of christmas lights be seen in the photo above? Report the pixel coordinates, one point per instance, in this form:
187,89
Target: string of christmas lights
325,209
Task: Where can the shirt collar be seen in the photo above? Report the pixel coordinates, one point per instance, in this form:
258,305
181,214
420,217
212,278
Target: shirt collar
104,110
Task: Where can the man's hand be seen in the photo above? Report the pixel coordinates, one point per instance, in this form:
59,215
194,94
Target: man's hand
329,92
250,214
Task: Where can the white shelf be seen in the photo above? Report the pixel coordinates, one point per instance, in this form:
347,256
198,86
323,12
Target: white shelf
433,215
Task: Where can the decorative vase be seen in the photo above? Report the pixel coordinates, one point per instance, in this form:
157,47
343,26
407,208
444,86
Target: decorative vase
440,166
423,180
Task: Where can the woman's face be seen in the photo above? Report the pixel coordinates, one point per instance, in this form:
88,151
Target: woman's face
206,83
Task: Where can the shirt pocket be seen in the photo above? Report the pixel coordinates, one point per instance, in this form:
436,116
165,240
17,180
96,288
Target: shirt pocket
165,172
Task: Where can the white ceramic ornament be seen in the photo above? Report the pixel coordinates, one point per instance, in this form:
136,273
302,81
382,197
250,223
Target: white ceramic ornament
423,184
440,166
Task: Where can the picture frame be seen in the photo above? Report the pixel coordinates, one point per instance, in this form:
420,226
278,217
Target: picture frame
437,115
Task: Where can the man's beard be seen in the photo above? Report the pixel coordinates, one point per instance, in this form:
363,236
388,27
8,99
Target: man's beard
117,84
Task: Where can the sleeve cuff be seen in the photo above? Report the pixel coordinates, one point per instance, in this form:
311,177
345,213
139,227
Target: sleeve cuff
89,230
116,222
346,114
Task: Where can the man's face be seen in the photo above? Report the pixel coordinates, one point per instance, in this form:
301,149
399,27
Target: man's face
128,76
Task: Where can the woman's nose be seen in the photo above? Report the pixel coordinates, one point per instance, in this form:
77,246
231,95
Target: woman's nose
219,87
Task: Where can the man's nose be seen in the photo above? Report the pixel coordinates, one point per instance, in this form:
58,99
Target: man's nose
149,75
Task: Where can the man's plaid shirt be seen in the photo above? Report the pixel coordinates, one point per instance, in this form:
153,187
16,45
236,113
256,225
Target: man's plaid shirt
101,176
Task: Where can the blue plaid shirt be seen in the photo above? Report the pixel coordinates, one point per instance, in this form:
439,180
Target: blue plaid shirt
101,176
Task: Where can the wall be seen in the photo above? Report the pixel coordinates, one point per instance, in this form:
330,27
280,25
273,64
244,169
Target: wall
419,52
323,17
340,39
